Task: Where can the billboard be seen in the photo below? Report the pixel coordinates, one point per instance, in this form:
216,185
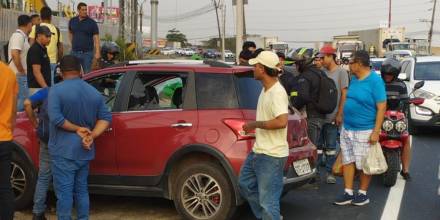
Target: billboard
96,12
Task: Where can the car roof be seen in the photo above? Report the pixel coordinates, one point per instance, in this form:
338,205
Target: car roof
198,66
425,59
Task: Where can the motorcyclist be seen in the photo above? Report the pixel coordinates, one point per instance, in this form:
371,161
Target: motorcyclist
397,94
109,52
305,91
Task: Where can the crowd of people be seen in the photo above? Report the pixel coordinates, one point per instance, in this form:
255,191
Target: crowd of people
67,115
344,130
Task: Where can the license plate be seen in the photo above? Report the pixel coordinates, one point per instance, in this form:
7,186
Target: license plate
302,167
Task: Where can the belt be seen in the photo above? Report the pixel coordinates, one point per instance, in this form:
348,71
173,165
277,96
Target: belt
81,51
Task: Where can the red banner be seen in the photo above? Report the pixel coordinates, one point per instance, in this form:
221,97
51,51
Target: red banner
96,12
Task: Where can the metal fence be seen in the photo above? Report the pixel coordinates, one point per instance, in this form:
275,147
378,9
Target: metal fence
8,24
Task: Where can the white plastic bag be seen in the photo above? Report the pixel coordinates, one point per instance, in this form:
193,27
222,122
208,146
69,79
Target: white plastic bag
374,163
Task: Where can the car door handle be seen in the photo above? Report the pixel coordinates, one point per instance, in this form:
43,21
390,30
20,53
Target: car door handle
181,125
109,129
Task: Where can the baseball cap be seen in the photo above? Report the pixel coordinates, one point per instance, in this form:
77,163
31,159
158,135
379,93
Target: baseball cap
327,49
43,30
266,58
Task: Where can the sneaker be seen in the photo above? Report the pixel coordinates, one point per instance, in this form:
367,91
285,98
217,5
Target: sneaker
361,200
331,179
405,176
344,199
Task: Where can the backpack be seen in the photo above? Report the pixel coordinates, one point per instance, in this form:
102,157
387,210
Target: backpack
43,122
328,94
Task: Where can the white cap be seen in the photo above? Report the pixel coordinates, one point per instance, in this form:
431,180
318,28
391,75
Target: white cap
266,58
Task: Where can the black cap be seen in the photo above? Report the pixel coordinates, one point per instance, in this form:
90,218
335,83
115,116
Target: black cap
70,63
43,30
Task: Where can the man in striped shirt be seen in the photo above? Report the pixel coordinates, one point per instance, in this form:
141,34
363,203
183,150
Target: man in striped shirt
396,94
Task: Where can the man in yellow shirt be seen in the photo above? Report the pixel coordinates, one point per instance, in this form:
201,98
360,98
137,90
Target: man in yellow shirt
8,111
261,176
55,47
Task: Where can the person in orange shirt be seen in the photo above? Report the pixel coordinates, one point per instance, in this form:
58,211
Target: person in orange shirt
8,111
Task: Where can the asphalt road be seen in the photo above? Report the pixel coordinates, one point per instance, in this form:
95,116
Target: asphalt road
418,199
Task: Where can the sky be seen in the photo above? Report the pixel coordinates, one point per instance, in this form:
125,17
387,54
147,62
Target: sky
295,21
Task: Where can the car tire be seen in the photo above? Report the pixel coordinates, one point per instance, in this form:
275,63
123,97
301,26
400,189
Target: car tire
23,180
192,187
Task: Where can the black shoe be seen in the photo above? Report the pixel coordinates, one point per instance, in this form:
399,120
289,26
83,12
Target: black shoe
405,176
38,217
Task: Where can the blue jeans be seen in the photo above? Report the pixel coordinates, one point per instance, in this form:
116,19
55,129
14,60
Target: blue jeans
44,180
328,145
52,73
70,181
86,58
261,184
23,91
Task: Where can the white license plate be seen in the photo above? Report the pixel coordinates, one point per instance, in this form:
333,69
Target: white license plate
302,167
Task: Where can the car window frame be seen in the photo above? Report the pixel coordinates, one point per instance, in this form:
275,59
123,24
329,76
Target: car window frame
117,102
188,91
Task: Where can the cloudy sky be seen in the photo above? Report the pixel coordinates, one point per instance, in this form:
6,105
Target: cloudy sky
295,21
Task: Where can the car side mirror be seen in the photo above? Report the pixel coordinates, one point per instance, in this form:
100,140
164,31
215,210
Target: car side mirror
403,76
419,85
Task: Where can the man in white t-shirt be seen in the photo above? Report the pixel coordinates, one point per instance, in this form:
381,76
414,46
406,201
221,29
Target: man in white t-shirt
17,52
261,176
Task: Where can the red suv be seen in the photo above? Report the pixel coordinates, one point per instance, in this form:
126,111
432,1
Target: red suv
176,133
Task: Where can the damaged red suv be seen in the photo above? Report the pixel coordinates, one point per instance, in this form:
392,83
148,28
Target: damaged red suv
176,133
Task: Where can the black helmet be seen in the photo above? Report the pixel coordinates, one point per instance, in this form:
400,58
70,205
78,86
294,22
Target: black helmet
109,47
390,66
302,58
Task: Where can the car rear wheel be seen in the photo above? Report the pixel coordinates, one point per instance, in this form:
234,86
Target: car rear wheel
23,179
203,191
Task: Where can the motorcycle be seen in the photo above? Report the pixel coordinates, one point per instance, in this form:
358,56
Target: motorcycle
393,136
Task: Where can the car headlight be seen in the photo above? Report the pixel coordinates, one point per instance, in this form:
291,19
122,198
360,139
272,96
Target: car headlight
423,111
423,94
387,125
400,126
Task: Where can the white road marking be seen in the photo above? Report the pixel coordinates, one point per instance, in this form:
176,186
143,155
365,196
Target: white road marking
394,200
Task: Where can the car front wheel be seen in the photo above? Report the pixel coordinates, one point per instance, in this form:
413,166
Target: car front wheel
202,191
23,179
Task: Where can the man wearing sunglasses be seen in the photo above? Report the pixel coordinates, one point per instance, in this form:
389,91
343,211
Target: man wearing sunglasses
363,112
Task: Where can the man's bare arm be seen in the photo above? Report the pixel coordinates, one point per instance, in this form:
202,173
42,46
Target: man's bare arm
36,68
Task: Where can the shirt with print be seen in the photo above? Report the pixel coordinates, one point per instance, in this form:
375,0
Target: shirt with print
82,33
81,104
37,55
361,104
18,41
271,104
52,48
340,77
8,99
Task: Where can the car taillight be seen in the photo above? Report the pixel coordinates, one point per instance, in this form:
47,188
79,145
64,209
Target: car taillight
236,126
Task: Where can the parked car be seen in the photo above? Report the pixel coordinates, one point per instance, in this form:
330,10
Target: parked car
188,52
210,53
176,133
415,69
376,63
168,51
229,54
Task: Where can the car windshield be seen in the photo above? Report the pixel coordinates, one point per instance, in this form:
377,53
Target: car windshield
427,71
248,90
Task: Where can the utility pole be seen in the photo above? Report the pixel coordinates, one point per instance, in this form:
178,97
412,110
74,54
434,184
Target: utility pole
223,30
431,30
134,18
239,23
154,5
121,18
389,15
216,5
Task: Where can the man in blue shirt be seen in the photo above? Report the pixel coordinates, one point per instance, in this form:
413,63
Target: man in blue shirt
77,115
84,36
363,115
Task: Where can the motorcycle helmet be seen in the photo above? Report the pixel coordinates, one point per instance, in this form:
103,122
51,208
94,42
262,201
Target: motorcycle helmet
302,57
390,66
109,47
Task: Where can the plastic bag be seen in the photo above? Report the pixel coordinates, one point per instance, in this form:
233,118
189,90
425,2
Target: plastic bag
337,168
375,163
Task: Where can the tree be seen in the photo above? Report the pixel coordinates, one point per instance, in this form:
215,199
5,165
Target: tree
175,35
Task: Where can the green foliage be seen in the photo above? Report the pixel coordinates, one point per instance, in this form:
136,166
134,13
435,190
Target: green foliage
128,50
107,37
175,35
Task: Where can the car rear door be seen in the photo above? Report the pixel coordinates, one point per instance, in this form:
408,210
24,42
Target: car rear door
158,118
